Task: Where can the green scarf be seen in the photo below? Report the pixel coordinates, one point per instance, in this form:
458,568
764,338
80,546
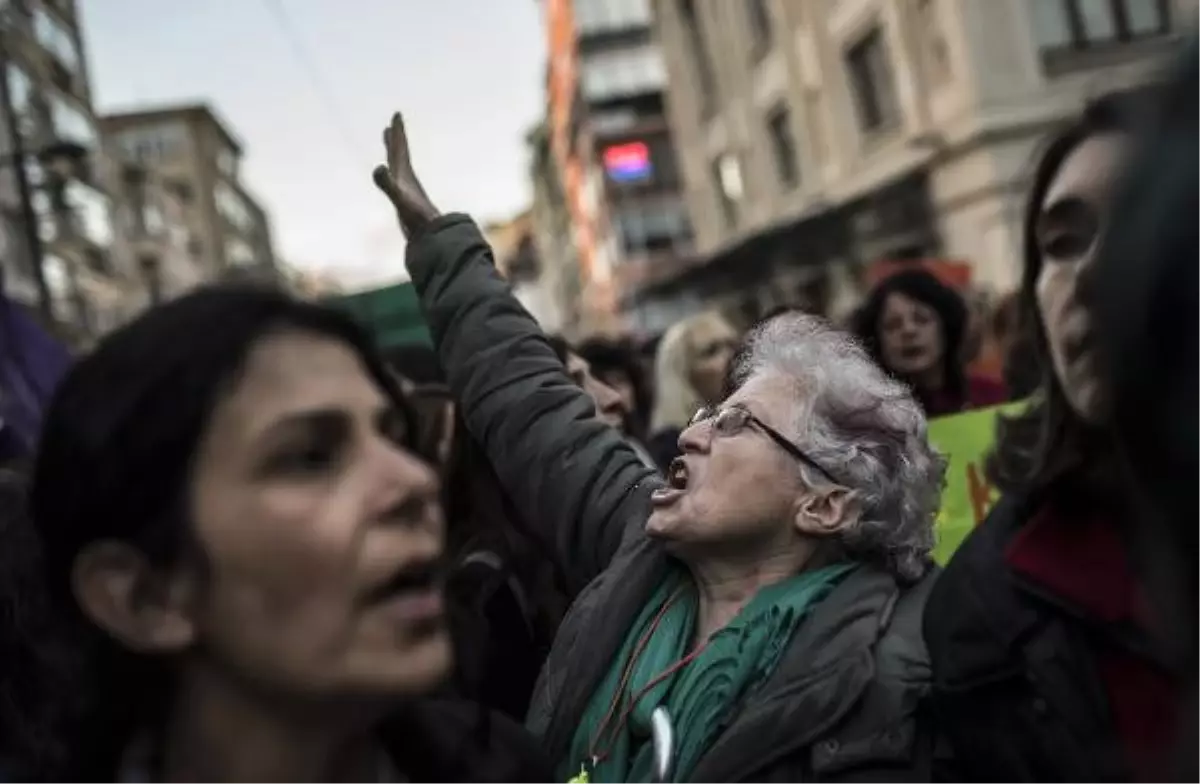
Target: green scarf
700,695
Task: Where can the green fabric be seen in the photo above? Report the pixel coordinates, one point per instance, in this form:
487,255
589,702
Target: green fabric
701,695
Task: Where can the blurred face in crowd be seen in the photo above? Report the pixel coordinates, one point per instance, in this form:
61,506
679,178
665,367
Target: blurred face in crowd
713,344
317,535
610,406
735,493
1069,228
618,381
910,336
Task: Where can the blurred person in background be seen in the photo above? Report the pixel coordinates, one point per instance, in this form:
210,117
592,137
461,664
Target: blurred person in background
767,595
690,372
915,325
1014,348
1046,662
611,408
241,565
617,364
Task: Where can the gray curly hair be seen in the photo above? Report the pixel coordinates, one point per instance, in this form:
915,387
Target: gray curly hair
862,426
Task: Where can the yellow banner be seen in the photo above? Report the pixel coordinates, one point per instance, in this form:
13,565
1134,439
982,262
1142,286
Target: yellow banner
965,439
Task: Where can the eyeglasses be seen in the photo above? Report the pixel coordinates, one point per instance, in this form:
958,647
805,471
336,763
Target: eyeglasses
731,420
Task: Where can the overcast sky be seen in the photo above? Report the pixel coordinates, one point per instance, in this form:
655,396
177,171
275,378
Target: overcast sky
467,73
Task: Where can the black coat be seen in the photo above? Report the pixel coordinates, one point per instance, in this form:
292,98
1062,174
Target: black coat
1016,689
454,740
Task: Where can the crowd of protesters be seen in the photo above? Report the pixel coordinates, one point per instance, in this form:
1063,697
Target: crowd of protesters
252,547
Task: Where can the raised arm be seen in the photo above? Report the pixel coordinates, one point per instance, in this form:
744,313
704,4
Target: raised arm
573,478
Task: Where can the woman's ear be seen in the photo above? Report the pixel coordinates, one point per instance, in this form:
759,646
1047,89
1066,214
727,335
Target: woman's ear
118,590
827,512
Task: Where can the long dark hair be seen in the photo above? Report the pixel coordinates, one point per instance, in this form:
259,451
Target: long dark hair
114,462
1146,290
1047,441
924,287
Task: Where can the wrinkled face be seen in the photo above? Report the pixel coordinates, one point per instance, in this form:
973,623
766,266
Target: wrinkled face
1068,231
910,336
610,407
739,493
320,532
713,345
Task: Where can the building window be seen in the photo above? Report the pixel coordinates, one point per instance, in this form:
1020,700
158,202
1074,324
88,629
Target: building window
935,52
92,210
623,72
154,144
871,83
71,124
1080,24
653,226
232,207
227,162
20,90
56,37
701,61
783,148
759,17
601,16
727,179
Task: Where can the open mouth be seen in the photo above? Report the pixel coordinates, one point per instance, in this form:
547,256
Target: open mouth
413,594
677,474
677,482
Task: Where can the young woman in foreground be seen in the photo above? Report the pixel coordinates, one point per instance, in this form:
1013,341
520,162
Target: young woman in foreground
241,560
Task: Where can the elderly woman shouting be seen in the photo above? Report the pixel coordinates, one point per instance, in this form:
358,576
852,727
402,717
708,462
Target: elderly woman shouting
767,593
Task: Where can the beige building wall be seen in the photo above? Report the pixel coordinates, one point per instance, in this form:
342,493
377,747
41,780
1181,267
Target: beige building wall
192,152
974,95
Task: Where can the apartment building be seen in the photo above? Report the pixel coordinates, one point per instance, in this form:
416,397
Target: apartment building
609,134
56,226
819,137
152,231
195,157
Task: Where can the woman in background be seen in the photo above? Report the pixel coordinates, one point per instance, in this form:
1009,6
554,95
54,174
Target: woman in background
914,326
616,364
690,372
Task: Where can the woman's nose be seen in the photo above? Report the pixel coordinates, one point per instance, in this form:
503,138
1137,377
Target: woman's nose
696,437
608,400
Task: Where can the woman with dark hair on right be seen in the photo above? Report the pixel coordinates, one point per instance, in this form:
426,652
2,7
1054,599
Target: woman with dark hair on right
240,565
1046,658
1147,289
914,326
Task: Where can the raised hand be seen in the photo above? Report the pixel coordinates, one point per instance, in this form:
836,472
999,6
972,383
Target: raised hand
399,182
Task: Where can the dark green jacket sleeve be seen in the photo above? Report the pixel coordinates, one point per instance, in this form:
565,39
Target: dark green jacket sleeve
574,479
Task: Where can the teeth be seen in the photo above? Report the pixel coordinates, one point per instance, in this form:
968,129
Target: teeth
677,474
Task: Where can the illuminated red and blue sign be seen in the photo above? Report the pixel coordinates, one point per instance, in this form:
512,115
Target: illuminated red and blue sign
628,162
